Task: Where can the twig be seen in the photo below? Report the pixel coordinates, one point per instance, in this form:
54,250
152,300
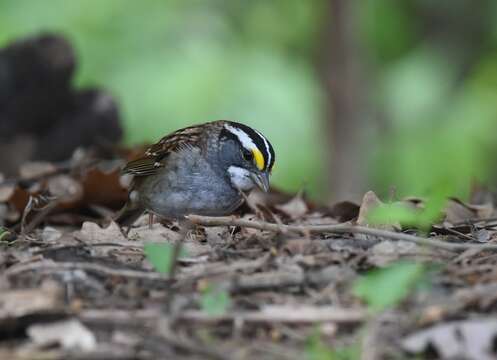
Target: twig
181,342
282,314
48,265
338,229
38,218
268,314
194,273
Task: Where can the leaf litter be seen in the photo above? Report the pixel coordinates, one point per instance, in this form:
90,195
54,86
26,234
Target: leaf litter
283,278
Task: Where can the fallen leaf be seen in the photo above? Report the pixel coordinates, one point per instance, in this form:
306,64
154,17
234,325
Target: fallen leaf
50,234
217,235
16,303
370,202
295,208
6,192
92,233
66,189
69,334
104,187
156,233
471,340
457,211
34,169
345,211
386,252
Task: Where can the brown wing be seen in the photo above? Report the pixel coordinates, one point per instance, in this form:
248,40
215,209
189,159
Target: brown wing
154,157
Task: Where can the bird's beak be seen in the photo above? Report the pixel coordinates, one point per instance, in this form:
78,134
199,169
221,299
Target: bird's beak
261,179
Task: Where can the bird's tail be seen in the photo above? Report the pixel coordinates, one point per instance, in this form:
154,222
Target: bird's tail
128,215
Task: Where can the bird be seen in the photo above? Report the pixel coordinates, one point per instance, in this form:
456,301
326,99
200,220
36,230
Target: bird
204,169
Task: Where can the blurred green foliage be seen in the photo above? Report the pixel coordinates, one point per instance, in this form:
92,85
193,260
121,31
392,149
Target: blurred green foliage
176,63
316,349
431,77
434,81
387,287
160,255
215,300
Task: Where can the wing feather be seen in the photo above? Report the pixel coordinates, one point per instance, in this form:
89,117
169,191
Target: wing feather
156,156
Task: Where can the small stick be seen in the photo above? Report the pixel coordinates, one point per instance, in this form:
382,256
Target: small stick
48,265
337,229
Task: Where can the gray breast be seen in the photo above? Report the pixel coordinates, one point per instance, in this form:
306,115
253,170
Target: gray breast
189,185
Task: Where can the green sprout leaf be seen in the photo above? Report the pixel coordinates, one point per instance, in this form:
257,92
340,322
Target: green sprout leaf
160,256
383,288
398,212
215,301
317,350
3,233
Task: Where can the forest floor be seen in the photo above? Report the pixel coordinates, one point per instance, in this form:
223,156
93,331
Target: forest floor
283,278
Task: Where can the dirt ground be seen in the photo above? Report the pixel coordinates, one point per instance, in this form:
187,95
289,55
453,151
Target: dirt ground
284,278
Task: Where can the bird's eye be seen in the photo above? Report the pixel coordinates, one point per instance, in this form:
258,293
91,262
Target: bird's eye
247,155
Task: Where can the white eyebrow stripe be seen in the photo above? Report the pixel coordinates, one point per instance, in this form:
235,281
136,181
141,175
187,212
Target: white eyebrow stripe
245,140
266,144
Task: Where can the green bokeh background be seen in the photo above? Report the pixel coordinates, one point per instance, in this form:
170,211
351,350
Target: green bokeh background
174,63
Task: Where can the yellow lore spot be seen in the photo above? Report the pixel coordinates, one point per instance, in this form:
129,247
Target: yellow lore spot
258,159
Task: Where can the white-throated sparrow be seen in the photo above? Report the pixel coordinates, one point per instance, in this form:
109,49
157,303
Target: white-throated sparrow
199,170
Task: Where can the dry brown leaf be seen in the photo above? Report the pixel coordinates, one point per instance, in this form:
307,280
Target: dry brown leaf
6,192
457,212
69,334
92,233
471,340
50,234
65,188
156,233
30,170
104,187
345,211
16,303
295,209
370,201
217,235
386,252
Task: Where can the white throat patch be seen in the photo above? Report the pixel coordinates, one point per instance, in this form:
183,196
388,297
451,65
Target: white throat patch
240,178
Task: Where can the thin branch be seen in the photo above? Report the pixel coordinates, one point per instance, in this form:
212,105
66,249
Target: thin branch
268,314
337,229
48,265
282,314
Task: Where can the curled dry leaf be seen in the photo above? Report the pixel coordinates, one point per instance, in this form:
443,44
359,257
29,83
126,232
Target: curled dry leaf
158,233
296,208
50,234
65,189
471,340
104,187
35,169
386,252
345,211
457,212
69,334
370,201
15,199
92,233
16,303
217,235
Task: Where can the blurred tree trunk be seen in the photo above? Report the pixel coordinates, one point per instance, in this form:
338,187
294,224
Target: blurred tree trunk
344,93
